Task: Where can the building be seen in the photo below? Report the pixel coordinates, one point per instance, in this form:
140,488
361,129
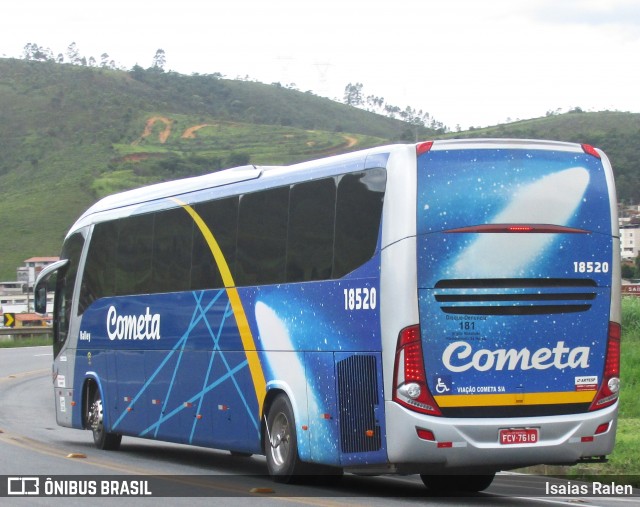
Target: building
629,242
17,297
28,273
12,288
31,320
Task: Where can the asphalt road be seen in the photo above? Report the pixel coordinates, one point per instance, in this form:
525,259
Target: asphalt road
32,445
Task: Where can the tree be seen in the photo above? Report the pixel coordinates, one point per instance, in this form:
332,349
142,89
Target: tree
159,60
74,54
391,111
34,52
353,95
375,103
137,72
628,271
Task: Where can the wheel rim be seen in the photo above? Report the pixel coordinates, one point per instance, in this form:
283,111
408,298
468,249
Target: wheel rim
280,438
95,417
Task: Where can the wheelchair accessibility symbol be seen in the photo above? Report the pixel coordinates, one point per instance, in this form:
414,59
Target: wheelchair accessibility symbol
442,385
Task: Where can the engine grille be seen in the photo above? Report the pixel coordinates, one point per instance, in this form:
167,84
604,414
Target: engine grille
357,399
515,296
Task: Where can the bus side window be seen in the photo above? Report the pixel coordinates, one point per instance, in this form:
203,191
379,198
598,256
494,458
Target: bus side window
221,217
312,212
262,237
99,277
358,214
135,250
66,279
172,245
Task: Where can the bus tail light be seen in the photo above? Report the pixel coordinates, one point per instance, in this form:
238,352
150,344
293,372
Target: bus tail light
603,428
590,150
424,147
610,386
409,376
426,434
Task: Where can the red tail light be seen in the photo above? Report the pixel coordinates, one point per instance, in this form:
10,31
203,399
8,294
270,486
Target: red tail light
610,385
516,228
590,150
409,377
424,147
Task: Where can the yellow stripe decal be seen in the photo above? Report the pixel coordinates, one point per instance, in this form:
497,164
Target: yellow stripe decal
493,400
255,368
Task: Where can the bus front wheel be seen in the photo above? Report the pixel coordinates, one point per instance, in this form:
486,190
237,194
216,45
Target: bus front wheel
95,417
281,445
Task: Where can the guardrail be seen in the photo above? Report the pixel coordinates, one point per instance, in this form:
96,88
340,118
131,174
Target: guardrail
30,330
631,290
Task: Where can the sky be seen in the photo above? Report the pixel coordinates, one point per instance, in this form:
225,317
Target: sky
468,63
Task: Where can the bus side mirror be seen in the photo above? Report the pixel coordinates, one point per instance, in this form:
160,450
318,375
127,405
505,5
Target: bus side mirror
40,288
40,296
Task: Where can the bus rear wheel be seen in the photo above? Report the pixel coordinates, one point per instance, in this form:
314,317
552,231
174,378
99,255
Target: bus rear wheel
457,483
281,445
95,418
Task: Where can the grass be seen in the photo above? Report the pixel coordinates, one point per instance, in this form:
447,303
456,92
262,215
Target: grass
35,341
214,145
266,144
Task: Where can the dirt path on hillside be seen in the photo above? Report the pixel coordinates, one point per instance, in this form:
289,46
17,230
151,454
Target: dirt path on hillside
190,133
351,141
148,129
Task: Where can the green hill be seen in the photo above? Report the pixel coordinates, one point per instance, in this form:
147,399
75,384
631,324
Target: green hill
618,134
71,134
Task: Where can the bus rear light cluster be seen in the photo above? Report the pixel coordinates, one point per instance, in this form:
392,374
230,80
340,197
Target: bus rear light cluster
409,377
610,386
603,428
426,434
430,437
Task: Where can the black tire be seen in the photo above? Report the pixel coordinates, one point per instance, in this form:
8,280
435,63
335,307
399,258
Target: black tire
101,439
457,483
281,445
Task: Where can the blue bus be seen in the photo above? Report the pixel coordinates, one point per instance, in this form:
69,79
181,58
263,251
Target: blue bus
447,308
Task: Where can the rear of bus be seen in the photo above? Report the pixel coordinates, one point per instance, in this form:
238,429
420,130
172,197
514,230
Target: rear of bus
514,360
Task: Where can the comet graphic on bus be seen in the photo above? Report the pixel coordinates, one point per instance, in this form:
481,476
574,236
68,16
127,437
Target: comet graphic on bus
491,254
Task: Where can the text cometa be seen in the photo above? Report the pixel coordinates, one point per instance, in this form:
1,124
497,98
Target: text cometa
133,327
460,356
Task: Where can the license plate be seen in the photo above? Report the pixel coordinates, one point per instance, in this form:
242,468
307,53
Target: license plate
519,436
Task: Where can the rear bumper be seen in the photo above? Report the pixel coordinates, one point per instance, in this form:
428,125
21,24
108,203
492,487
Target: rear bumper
473,443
